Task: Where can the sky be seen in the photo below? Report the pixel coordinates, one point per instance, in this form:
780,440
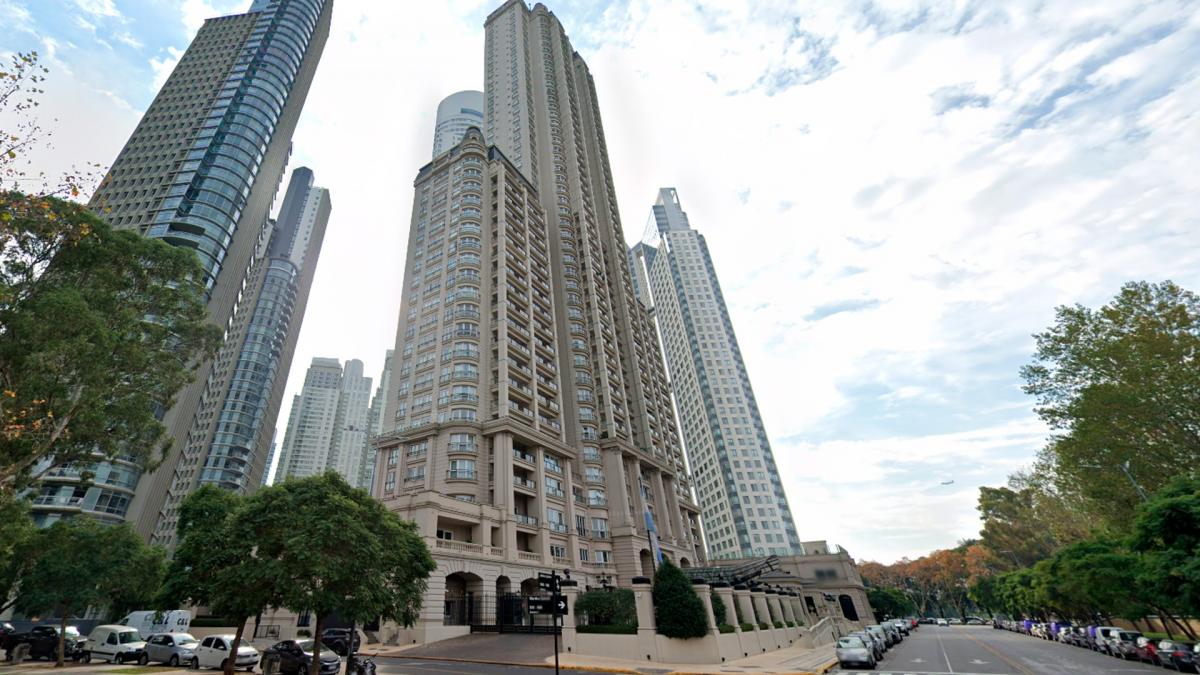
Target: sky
896,194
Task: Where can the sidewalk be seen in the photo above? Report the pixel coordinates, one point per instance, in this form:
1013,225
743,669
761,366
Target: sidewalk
790,661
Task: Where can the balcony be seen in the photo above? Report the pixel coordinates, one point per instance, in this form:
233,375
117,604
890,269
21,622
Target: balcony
468,448
524,457
597,501
524,483
559,527
556,492
529,555
460,474
523,519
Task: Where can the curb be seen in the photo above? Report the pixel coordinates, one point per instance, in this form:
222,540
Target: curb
537,664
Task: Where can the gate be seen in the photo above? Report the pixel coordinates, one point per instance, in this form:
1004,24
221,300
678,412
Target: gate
496,613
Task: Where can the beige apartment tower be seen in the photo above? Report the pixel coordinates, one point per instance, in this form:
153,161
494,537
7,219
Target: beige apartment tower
529,425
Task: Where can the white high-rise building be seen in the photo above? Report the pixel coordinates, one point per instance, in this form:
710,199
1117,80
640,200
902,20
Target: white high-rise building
455,114
746,512
327,429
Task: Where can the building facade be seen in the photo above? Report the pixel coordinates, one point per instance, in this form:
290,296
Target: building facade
529,421
327,429
201,170
375,421
455,114
746,512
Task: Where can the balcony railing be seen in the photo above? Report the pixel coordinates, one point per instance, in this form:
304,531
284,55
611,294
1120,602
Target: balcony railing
460,474
525,520
523,456
525,482
529,555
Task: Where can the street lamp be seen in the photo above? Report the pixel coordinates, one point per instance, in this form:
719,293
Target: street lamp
1124,466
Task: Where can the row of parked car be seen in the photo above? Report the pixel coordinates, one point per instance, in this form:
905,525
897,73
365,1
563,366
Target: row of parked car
867,647
124,644
1118,642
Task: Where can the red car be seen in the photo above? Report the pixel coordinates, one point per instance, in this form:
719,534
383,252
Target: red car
1147,651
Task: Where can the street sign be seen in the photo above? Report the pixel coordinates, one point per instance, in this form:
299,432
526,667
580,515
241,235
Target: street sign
556,605
548,581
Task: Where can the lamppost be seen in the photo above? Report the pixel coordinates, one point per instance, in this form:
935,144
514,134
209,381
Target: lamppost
1124,467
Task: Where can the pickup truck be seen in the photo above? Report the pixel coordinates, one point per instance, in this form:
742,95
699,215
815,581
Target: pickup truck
42,641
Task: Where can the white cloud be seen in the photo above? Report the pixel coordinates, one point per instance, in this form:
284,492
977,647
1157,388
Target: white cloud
194,12
163,65
104,8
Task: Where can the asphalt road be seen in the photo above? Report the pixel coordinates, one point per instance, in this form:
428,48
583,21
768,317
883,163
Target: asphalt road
431,667
982,650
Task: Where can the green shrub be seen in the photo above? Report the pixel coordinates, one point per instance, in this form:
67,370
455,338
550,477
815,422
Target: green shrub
624,629
779,624
608,608
791,624
678,611
763,625
718,608
303,632
746,627
725,628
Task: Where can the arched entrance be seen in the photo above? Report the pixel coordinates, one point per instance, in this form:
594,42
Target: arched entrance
464,592
684,563
848,610
647,563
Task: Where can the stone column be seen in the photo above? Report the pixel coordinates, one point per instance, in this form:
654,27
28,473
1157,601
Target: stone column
725,594
705,593
785,603
539,474
570,593
799,609
745,604
569,510
666,528
775,606
647,644
760,606
614,483
502,451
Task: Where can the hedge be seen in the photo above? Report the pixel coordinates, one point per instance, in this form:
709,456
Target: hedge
615,607
779,624
748,627
718,608
678,611
791,624
763,625
625,629
725,628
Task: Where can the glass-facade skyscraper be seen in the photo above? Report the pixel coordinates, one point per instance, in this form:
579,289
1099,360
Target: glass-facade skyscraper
201,170
746,512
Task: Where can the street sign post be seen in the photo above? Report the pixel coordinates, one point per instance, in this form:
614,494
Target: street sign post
555,605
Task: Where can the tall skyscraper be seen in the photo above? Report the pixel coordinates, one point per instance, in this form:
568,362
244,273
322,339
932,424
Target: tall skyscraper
327,429
455,114
529,420
746,512
375,422
201,170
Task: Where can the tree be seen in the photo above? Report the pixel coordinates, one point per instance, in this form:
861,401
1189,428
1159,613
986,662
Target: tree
82,563
1167,534
678,611
335,548
889,602
99,329
1117,386
16,531
215,564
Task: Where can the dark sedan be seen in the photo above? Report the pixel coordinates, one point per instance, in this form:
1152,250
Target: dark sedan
1181,656
295,656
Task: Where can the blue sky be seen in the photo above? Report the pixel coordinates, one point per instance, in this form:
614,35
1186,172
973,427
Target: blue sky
896,193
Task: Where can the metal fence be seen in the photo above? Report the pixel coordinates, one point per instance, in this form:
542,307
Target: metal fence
489,612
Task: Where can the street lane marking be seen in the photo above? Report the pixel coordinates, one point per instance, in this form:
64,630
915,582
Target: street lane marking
1020,668
945,656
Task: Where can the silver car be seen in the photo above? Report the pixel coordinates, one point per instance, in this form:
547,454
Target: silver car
173,649
877,646
851,650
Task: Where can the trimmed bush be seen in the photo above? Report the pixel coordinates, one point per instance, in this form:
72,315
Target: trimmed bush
779,624
718,608
608,608
725,628
763,625
624,629
678,611
791,624
747,627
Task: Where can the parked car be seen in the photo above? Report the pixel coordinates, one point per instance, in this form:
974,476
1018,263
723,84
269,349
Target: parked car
113,643
1146,651
882,634
338,640
1182,656
42,641
173,649
902,626
1104,637
296,657
926,619
878,648
213,652
1124,644
943,622
852,651
897,636
974,621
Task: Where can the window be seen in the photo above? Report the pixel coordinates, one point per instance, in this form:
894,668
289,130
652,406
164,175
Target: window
415,474
554,487
593,475
462,443
597,498
603,557
389,484
392,456
445,535
461,469
558,551
600,528
418,449
552,464
583,555
556,519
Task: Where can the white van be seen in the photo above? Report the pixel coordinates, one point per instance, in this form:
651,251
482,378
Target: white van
150,622
116,644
